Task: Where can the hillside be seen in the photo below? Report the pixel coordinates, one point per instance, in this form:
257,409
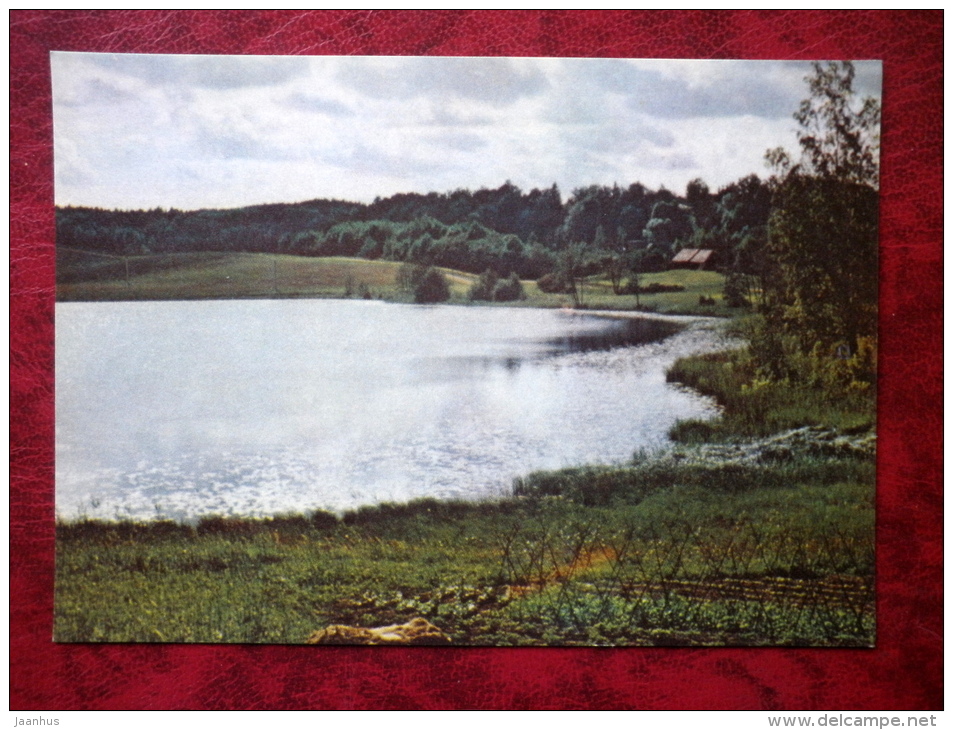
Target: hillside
85,276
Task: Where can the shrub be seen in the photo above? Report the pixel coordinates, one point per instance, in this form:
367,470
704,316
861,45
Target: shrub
431,288
227,526
692,431
509,290
484,288
554,283
632,287
735,291
409,275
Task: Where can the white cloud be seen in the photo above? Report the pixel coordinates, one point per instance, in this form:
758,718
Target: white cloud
189,131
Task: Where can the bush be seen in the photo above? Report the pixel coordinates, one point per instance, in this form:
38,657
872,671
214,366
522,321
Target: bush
409,276
692,431
323,520
509,290
431,288
483,290
554,283
735,291
632,287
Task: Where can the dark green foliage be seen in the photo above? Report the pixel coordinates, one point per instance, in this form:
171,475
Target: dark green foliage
670,223
820,277
554,283
823,287
653,258
93,529
574,264
380,516
503,229
216,525
508,290
484,287
740,231
431,287
425,283
323,520
604,486
839,137
615,269
735,291
692,431
654,288
409,275
758,407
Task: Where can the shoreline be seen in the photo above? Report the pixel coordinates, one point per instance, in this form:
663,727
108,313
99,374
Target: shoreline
756,453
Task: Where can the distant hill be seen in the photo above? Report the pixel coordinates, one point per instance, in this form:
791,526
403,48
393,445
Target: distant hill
505,228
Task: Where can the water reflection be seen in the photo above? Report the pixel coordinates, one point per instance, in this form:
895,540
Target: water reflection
578,334
603,333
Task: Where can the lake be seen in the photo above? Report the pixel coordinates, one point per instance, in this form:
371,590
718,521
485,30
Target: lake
256,407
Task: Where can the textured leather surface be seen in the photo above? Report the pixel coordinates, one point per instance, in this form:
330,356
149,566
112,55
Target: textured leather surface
903,672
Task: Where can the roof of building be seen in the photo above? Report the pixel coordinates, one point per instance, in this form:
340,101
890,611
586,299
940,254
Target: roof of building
693,256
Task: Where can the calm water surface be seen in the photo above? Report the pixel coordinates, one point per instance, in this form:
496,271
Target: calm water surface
180,409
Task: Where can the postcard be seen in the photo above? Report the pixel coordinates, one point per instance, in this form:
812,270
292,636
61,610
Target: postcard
465,351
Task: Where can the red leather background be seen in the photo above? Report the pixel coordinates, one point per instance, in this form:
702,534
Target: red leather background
903,672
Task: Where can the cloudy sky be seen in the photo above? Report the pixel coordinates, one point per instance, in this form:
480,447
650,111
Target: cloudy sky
145,131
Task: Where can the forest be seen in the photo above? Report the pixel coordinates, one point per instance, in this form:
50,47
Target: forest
504,229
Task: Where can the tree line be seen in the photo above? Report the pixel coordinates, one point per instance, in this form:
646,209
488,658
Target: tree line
504,229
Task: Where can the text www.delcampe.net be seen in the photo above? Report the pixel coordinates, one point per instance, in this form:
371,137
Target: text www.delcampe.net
847,720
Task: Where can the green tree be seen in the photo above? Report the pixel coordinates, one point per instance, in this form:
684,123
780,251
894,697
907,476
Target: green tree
431,288
839,135
615,268
820,282
571,267
823,248
483,288
509,289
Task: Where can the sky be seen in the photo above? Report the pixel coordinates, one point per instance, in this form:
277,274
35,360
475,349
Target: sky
145,131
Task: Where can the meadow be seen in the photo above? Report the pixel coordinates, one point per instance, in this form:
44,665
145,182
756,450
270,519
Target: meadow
85,276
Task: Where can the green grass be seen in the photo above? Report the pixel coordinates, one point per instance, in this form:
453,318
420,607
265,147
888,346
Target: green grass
259,581
754,407
597,294
84,276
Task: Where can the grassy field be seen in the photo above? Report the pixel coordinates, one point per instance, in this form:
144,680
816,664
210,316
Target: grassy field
597,294
83,276
227,276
